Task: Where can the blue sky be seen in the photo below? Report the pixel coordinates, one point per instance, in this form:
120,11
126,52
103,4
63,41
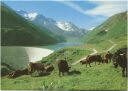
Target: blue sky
85,14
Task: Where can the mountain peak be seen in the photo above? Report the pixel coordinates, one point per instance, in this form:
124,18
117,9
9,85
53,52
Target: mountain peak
67,26
31,16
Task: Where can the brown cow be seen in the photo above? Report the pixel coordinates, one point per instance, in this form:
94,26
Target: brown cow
108,56
120,59
83,61
17,73
92,58
104,59
14,74
49,68
32,67
63,67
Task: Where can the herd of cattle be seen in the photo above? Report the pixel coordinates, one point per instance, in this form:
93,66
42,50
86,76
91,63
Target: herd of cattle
119,58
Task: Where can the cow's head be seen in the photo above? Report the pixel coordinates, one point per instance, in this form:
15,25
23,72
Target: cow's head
30,67
83,61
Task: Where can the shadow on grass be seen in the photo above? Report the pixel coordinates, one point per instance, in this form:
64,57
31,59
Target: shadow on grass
74,72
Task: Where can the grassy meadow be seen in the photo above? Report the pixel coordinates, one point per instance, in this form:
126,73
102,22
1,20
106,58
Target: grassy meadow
97,77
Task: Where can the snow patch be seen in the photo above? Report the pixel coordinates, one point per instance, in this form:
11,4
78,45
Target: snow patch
65,26
91,28
32,16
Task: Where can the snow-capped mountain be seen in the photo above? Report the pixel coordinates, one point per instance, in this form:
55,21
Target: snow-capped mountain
67,26
31,16
61,28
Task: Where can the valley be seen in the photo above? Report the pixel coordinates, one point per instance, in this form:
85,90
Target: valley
32,37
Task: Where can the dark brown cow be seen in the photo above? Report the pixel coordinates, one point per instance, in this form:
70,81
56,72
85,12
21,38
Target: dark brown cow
104,59
92,58
63,67
83,61
108,56
32,67
14,74
120,59
17,73
49,68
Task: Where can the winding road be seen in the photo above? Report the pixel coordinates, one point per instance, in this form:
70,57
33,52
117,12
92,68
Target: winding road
95,51
112,45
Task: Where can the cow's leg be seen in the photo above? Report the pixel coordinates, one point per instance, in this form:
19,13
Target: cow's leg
107,61
86,65
62,73
68,72
123,72
89,64
99,63
110,60
59,73
126,72
102,61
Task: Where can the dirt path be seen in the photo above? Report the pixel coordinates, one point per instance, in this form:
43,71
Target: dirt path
112,45
94,52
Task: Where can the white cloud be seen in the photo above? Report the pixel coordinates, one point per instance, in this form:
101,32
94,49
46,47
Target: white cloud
74,6
104,7
108,8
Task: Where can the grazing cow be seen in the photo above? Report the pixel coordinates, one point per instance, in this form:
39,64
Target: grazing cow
17,73
14,74
49,68
32,67
104,60
120,59
108,56
63,67
25,71
92,58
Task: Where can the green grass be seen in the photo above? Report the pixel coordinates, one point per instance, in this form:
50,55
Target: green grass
71,54
116,26
99,77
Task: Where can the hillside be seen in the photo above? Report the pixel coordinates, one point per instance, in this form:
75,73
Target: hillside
114,28
13,58
15,30
98,77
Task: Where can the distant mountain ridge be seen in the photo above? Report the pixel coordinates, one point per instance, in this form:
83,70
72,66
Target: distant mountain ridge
62,28
15,30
